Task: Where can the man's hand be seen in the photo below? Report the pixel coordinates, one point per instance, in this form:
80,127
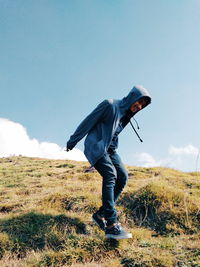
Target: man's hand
68,148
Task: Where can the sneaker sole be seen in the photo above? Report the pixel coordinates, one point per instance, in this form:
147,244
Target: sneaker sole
119,237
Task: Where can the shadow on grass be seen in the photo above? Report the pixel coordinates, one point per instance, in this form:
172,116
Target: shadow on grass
34,231
142,208
111,243
146,209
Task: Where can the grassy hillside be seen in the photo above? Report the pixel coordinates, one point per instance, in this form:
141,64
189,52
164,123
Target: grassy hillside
46,206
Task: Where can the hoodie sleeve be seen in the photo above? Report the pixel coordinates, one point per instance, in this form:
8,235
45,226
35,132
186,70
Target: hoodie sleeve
88,123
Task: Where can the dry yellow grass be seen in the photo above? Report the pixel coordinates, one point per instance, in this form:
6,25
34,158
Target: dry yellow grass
46,206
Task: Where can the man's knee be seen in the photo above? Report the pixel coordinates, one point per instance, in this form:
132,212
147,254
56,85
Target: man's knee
123,177
110,176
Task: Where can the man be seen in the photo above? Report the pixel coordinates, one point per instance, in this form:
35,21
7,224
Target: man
102,127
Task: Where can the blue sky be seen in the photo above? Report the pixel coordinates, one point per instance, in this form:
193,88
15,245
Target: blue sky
59,59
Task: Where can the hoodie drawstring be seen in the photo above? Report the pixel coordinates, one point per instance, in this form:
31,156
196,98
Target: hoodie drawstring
136,123
135,130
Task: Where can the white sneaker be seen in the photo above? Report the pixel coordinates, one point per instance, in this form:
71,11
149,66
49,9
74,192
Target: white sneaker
117,232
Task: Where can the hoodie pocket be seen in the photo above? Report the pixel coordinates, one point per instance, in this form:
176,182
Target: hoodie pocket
97,149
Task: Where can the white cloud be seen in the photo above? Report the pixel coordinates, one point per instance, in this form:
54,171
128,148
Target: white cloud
187,150
146,160
182,158
14,140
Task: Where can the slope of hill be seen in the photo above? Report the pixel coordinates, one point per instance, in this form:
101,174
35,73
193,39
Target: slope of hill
46,206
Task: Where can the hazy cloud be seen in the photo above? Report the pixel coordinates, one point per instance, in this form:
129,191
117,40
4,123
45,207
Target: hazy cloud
182,158
146,160
187,150
14,140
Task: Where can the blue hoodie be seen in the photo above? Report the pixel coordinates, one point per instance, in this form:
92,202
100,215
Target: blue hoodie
103,122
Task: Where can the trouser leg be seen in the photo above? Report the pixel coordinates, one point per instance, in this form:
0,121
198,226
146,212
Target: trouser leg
122,175
109,174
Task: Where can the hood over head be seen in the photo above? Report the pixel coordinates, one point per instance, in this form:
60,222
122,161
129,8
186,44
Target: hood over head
136,93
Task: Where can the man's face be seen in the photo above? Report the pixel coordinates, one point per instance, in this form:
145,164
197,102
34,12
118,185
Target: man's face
138,105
